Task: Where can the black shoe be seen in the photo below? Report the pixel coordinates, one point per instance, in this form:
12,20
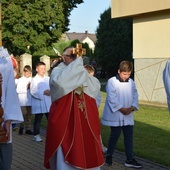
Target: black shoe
15,127
133,164
109,160
28,132
21,131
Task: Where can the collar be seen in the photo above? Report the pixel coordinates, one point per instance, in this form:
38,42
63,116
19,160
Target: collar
118,77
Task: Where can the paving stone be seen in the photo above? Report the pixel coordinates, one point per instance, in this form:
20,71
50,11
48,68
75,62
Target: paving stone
29,155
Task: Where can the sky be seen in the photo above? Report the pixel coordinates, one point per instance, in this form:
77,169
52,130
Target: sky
85,17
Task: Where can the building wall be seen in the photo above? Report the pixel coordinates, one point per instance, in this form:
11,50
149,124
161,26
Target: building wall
151,42
124,8
148,79
89,42
66,38
151,35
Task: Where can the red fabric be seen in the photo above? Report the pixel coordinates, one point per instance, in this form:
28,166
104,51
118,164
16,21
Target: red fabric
74,124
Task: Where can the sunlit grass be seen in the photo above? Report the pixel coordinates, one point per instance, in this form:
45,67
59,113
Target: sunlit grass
151,133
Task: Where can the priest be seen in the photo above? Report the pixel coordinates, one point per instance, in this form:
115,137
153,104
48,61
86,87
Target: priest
73,132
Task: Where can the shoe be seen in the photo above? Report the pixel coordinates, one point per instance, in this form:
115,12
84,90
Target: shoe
133,164
28,132
109,160
21,131
104,149
37,138
15,127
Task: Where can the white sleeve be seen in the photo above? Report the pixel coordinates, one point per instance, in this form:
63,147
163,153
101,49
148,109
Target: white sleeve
135,102
98,100
112,96
21,86
10,102
35,91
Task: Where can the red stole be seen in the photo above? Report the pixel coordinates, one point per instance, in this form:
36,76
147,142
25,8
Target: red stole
74,124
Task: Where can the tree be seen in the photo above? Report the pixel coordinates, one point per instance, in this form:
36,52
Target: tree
34,23
114,42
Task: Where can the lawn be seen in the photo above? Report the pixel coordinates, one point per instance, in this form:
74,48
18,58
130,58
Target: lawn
151,133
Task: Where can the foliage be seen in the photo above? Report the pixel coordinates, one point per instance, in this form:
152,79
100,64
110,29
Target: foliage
35,24
114,42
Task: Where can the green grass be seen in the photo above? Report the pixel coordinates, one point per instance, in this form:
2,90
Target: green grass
151,133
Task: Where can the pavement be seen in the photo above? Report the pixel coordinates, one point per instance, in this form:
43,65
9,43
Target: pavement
29,155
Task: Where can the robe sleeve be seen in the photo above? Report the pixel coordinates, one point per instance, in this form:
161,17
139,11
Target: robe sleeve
112,96
21,86
135,96
35,91
10,102
98,100
62,84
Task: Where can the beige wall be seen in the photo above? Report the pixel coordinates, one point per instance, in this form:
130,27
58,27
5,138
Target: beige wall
121,8
151,36
148,79
151,42
151,25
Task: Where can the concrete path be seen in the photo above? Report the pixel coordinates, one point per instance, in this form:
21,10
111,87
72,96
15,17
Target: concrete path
28,155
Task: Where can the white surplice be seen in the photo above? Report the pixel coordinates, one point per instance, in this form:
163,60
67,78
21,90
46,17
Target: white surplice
10,102
24,94
40,103
119,94
65,79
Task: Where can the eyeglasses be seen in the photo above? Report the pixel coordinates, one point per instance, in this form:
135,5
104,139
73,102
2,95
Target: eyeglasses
66,55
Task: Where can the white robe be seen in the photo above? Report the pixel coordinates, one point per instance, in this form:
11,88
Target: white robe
40,103
24,94
57,162
10,102
119,94
61,84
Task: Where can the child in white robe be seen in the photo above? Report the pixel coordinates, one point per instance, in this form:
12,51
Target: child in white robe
24,96
121,101
41,100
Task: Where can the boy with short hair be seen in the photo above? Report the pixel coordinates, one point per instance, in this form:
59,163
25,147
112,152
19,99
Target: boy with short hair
121,101
41,100
24,96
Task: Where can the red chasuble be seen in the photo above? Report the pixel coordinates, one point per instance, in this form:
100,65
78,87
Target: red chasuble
74,124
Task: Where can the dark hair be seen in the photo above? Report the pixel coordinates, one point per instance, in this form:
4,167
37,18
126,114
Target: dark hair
89,68
67,48
71,54
40,63
27,68
126,66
